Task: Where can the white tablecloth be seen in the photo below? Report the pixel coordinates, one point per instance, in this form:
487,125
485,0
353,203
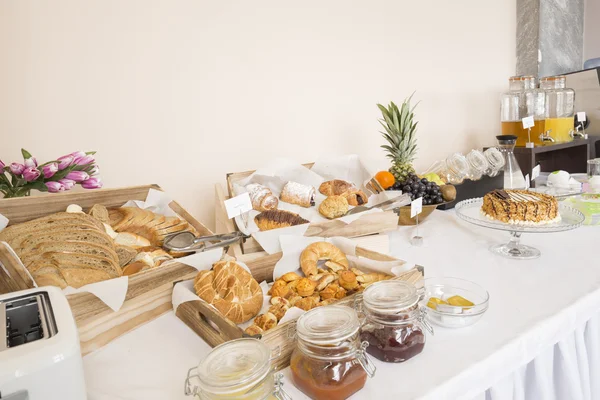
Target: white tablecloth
540,338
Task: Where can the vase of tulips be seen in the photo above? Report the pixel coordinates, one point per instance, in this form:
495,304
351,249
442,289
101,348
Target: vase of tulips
79,168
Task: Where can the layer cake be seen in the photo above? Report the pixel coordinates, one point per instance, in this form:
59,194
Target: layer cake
520,207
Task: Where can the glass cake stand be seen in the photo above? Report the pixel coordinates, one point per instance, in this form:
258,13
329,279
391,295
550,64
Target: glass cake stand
470,211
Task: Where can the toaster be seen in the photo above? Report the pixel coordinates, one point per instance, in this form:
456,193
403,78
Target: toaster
40,357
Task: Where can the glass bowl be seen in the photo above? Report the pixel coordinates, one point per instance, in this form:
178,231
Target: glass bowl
449,316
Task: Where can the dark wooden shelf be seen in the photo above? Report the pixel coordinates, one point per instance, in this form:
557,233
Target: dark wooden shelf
552,147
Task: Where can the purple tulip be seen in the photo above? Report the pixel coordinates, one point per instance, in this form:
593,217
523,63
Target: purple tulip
92,183
2,165
49,170
77,176
85,160
31,162
17,168
64,162
55,187
31,174
67,183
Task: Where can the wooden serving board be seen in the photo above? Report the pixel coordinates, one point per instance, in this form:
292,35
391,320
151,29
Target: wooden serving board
211,326
369,224
149,293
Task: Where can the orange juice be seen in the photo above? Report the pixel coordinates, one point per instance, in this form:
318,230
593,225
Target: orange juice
523,136
561,128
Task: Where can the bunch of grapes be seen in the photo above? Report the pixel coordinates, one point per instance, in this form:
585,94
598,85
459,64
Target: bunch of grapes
417,187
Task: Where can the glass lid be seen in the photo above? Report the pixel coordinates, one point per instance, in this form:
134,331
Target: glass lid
234,365
390,296
327,325
477,160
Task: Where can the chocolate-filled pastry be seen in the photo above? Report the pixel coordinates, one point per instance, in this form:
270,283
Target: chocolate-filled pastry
334,207
356,197
335,187
297,193
262,198
275,219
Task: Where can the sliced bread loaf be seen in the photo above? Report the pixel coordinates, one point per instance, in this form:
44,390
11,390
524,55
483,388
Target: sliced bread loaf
99,212
48,274
125,254
80,235
16,241
70,246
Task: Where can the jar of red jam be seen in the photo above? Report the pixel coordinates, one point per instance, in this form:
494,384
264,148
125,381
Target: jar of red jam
329,361
394,321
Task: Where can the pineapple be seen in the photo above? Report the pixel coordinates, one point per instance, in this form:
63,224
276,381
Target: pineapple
400,132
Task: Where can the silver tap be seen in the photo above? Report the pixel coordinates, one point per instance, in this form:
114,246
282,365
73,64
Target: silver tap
576,134
545,136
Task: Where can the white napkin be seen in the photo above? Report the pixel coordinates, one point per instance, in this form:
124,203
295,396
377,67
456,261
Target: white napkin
269,240
291,315
112,292
3,222
157,201
203,260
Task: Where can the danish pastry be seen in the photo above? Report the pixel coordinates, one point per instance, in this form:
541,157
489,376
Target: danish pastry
275,219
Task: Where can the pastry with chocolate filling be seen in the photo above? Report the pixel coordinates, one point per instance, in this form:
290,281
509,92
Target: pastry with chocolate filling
520,207
356,197
297,193
335,187
275,219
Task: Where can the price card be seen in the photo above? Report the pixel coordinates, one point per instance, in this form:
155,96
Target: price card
238,205
527,183
416,206
528,122
581,117
535,172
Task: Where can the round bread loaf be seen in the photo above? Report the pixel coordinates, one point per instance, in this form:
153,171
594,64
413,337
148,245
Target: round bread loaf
231,290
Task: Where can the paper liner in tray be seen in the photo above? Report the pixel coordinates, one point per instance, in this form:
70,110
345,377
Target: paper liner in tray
276,173
112,292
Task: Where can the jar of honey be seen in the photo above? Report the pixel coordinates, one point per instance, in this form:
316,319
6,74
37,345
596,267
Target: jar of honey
394,322
236,370
329,361
559,110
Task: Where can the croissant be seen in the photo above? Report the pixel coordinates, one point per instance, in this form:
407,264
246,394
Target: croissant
315,252
356,197
275,219
296,193
262,198
335,187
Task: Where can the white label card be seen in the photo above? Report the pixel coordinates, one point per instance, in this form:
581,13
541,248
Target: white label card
527,183
528,122
238,205
535,172
416,206
581,117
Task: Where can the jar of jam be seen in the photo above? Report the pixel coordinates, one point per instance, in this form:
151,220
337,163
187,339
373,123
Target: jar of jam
236,370
394,321
329,361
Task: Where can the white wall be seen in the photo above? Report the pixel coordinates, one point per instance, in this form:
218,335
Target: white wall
181,92
591,30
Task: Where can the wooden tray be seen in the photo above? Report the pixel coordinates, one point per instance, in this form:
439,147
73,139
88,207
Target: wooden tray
211,326
369,224
149,293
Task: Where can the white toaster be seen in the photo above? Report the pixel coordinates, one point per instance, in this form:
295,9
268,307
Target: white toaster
40,357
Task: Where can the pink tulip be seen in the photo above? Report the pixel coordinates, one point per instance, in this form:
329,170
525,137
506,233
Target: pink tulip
64,162
78,154
94,171
67,183
31,174
2,165
92,183
55,187
49,170
31,162
77,176
17,168
85,160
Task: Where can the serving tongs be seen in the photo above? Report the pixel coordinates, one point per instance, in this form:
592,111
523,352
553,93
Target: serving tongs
392,203
187,242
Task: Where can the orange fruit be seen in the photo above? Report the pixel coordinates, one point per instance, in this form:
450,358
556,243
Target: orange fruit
385,179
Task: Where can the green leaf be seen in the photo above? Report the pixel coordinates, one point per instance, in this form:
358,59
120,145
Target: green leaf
90,153
37,185
47,163
26,154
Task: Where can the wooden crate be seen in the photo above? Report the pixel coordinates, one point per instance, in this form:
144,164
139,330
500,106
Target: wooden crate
369,224
148,294
211,326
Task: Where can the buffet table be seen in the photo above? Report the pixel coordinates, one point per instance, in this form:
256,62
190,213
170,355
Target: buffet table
540,338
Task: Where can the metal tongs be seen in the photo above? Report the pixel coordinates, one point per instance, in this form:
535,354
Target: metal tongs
188,242
395,202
